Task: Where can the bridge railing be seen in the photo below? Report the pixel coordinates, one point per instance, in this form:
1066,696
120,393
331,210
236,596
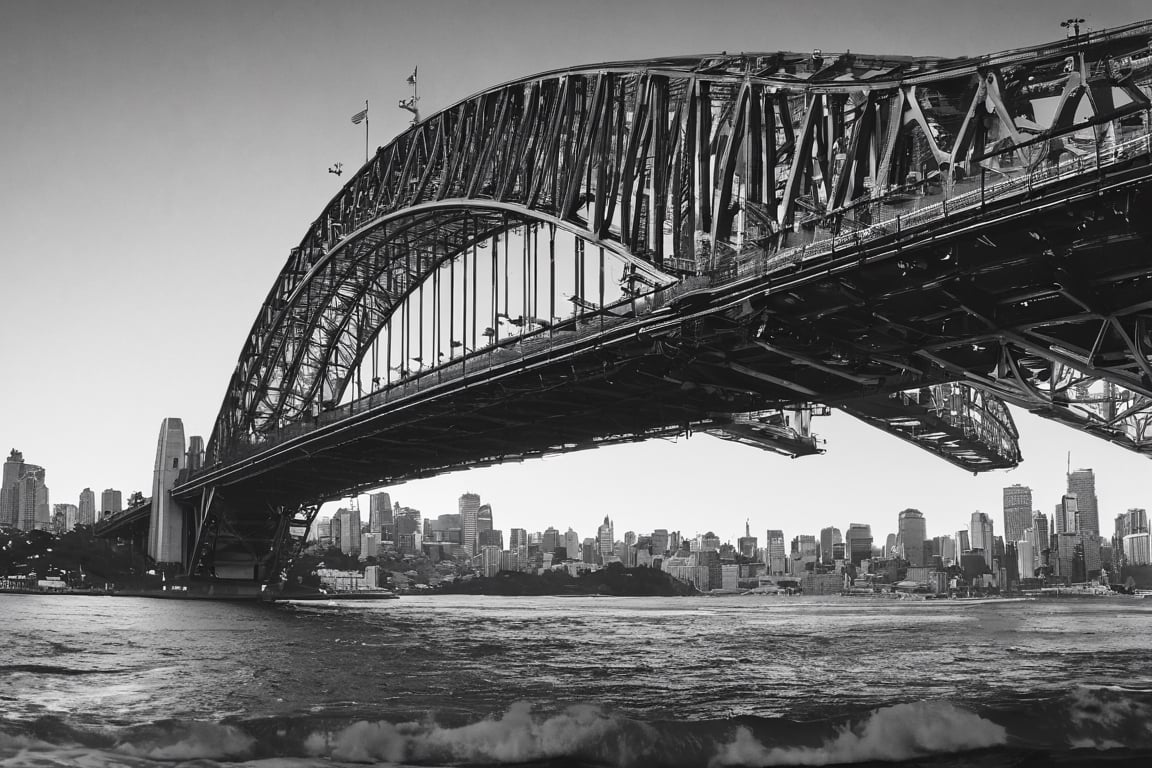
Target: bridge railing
887,218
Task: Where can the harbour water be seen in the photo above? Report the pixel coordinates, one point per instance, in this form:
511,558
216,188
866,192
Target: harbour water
582,681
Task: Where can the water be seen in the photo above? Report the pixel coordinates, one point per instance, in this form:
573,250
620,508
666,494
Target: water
580,681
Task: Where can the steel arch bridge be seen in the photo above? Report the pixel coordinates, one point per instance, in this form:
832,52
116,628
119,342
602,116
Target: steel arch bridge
730,244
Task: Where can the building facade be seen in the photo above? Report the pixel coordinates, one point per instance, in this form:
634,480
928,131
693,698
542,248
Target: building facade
1017,511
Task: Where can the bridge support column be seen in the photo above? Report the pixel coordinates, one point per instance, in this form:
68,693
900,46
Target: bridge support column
166,530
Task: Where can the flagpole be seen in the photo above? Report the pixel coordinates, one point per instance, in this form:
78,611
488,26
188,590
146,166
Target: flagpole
365,131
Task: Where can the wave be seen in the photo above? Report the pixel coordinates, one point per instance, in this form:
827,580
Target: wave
1103,721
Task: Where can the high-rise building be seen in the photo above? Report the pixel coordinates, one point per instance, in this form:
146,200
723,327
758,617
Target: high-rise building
490,538
518,537
379,512
829,537
983,537
858,542
911,535
1017,511
469,514
572,544
1025,558
483,518
1066,512
194,457
746,544
945,546
550,540
660,541
346,525
23,495
63,517
775,551
111,503
87,513
963,543
1082,483
604,540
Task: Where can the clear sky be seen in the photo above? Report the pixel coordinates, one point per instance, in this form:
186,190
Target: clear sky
159,159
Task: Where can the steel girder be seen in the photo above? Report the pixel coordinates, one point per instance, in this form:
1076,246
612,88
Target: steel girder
677,163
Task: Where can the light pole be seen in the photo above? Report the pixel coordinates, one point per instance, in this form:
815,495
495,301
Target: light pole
1073,27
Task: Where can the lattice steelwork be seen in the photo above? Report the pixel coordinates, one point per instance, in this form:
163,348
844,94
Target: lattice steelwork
691,166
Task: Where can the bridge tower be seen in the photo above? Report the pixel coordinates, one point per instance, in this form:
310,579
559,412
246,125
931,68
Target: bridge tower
166,534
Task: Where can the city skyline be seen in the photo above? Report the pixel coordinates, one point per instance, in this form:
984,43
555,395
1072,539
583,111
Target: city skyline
241,188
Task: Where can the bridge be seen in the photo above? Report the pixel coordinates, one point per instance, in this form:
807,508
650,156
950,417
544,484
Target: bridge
733,244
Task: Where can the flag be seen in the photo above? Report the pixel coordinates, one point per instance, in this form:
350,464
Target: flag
412,77
360,116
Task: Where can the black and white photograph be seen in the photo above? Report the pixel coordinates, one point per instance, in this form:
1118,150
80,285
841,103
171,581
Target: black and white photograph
575,383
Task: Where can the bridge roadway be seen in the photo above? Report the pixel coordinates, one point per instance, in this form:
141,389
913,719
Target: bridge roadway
1003,289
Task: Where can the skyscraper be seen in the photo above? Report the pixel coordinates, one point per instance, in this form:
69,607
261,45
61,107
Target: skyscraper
550,540
858,542
87,513
572,544
911,535
1017,511
379,512
1064,520
483,518
746,544
604,539
518,537
469,512
775,551
1082,483
983,536
111,502
829,537
23,495
963,543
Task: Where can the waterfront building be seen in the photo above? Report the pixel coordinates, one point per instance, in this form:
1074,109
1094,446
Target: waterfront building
828,538
911,535
605,540
469,514
1017,511
858,542
379,512
87,513
1069,557
1082,485
823,583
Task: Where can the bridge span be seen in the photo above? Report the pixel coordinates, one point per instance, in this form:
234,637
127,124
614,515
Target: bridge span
729,244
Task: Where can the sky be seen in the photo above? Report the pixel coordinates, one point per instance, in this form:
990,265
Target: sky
159,159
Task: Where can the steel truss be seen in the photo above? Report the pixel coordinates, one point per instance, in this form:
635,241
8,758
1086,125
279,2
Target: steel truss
674,166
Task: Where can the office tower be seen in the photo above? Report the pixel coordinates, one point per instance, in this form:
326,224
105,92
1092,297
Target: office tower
111,503
380,513
588,550
324,531
775,553
1017,511
1066,514
891,545
469,514
1082,484
23,495
518,537
630,538
1137,548
1025,558
746,544
829,537
946,547
9,493
369,543
550,540
490,538
604,540
572,544
858,542
484,518
983,537
660,541
911,535
87,513
346,525
194,458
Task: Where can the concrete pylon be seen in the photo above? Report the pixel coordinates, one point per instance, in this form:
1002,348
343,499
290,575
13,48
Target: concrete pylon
166,526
